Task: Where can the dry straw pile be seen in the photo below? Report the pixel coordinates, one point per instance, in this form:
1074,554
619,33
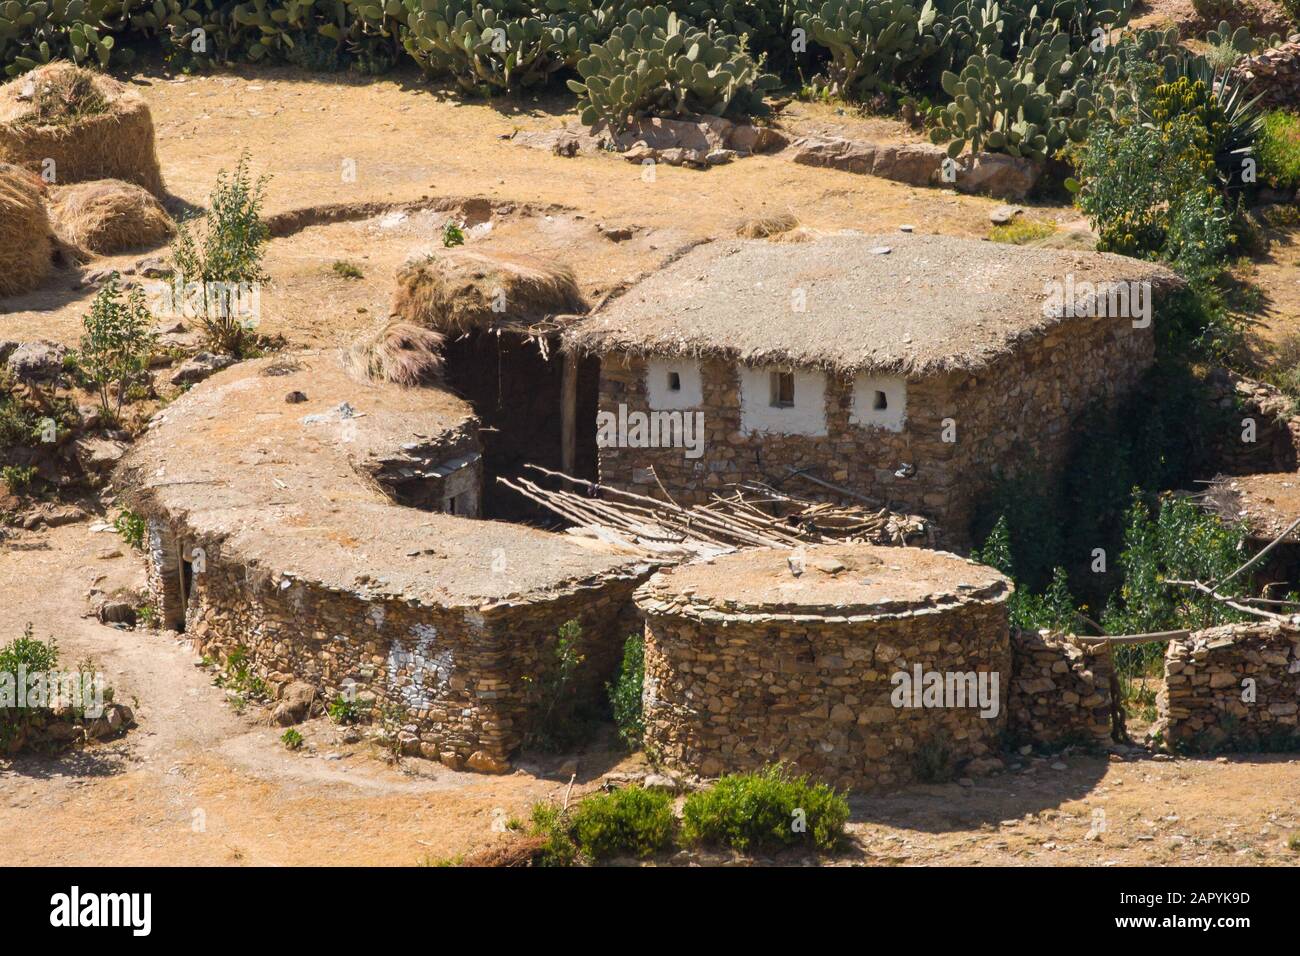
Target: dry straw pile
461,290
25,241
397,352
90,126
109,216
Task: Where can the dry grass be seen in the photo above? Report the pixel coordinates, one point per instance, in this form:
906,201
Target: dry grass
462,289
87,125
397,352
25,242
61,96
109,216
765,227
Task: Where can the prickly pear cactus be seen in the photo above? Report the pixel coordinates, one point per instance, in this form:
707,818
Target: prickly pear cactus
486,48
657,64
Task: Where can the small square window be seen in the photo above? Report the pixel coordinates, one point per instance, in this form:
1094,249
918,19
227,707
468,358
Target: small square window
782,389
880,402
674,382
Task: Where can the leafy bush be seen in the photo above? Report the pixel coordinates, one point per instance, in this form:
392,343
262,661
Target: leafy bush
552,823
658,64
1149,194
116,344
769,808
227,259
1054,609
131,526
632,821
291,739
343,710
556,720
1183,542
29,653
1279,150
625,692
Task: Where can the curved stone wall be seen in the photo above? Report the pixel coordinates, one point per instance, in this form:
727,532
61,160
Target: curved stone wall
831,670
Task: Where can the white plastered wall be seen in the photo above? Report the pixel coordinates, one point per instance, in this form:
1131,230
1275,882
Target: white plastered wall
807,416
870,391
660,396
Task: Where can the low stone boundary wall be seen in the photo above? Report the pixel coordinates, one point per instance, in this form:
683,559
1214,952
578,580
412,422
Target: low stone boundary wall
1060,691
463,679
1232,687
1274,74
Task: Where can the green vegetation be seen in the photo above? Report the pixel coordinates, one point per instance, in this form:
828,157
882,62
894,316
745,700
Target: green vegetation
291,739
452,234
343,710
131,526
558,716
347,270
225,263
628,822
1022,231
238,676
625,692
29,653
1279,150
115,345
18,478
552,824
769,808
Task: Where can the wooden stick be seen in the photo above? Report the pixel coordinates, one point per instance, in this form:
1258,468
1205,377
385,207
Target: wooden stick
1267,548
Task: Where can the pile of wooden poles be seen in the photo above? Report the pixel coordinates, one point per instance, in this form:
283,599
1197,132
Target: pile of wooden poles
755,515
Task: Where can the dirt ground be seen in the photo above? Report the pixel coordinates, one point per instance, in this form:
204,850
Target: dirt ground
197,783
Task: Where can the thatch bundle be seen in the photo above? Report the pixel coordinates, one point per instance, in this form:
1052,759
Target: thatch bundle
461,289
109,216
397,352
765,227
89,125
25,241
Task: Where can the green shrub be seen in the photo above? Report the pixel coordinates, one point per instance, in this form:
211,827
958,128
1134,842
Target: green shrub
625,692
769,808
227,258
29,653
629,822
452,234
1279,150
131,526
291,739
116,344
552,823
18,478
343,710
347,270
557,720
1149,194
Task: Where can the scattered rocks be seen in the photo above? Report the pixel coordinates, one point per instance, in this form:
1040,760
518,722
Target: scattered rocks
1005,214
36,361
202,366
1274,74
98,455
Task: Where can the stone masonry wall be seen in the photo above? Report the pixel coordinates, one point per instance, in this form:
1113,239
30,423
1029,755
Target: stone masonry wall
1060,691
1017,413
1232,687
458,675
816,692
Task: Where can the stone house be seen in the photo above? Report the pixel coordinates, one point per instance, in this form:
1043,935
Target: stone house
907,370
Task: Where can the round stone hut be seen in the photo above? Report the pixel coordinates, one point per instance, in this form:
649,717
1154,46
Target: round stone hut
863,666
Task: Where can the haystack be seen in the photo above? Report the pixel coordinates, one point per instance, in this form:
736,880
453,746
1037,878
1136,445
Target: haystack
90,126
460,290
25,241
109,216
765,227
397,352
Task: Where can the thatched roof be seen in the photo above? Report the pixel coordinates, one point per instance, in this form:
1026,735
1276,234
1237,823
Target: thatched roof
930,304
461,289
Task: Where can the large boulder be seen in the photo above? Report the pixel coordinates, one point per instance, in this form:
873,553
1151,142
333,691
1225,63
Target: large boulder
37,361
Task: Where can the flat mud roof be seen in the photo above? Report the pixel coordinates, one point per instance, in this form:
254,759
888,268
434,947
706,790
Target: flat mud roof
284,485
